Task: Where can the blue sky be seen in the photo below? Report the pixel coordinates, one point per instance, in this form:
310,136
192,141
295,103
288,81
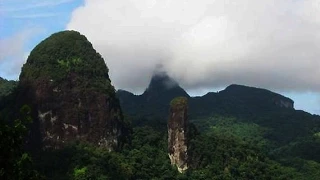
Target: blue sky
23,24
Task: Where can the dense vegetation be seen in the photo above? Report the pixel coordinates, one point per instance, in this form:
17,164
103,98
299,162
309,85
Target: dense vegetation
247,122
15,163
223,147
238,133
67,54
217,154
6,87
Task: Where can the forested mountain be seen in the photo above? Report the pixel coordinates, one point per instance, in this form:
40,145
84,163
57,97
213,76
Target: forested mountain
236,98
66,83
65,100
68,92
261,118
154,101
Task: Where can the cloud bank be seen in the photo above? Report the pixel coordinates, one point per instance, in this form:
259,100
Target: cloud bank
206,44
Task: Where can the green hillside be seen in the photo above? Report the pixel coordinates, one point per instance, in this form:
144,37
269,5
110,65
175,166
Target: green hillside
65,93
286,139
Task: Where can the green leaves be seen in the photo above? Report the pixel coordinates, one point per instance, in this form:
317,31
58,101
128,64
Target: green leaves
6,87
179,101
80,173
64,53
70,65
15,163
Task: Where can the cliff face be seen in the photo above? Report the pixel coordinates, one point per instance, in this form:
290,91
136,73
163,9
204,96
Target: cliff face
285,103
66,83
177,133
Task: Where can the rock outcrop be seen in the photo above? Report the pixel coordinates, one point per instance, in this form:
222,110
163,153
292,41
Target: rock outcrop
177,133
66,83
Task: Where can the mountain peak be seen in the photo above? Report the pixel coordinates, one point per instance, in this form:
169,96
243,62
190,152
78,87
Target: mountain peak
161,85
67,82
161,82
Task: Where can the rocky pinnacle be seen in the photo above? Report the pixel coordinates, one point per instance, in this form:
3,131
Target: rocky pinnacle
177,133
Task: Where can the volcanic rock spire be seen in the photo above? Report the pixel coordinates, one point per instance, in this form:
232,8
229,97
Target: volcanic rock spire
177,133
66,83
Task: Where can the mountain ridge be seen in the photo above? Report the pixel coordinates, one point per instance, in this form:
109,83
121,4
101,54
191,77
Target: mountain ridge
247,104
240,132
158,92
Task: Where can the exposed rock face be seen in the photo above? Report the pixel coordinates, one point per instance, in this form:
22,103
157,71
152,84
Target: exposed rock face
66,83
177,133
285,103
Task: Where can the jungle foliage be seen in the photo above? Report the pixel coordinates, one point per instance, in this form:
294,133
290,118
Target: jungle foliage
238,133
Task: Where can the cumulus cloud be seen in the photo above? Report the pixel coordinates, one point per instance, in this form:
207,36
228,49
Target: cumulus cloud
205,44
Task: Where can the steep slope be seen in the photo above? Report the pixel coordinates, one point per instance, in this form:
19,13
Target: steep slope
254,105
66,83
235,99
154,102
241,100
178,133
162,88
257,106
257,95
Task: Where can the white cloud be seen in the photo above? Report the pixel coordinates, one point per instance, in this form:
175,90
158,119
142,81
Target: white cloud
13,53
272,44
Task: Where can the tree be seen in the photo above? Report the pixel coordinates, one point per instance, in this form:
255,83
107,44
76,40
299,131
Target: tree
14,162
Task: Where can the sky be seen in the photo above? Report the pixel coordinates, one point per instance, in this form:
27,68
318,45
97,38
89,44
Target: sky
205,45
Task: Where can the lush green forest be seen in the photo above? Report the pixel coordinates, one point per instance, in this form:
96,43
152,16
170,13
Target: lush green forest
226,148
214,156
244,132
238,133
6,87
